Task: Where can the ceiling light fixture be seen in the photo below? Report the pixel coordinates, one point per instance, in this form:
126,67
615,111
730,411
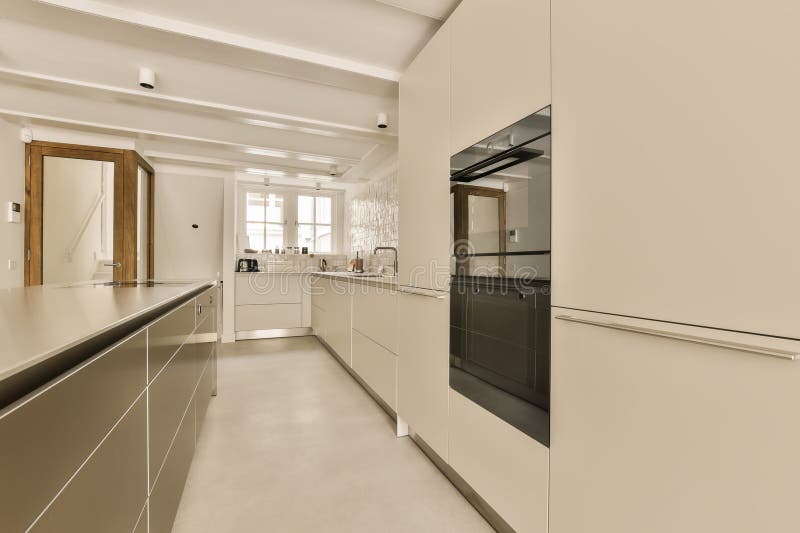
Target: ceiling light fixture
383,120
147,78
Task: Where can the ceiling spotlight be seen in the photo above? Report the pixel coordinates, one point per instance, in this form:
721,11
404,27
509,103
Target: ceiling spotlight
147,78
318,186
267,182
383,120
333,171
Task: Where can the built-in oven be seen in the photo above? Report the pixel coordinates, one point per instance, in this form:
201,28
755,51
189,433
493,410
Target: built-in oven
500,274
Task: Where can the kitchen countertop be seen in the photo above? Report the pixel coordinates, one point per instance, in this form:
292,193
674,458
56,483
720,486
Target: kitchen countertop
38,323
377,281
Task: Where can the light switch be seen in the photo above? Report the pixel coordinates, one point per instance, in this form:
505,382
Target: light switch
12,265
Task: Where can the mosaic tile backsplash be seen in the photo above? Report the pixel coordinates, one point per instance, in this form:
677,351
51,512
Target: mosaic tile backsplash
373,216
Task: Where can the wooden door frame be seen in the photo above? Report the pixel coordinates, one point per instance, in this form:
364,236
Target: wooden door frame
132,162
461,194
125,204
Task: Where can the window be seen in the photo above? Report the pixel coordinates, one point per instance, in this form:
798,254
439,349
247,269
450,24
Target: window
264,220
315,223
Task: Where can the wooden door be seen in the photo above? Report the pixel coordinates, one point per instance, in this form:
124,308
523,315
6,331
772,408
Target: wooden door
126,164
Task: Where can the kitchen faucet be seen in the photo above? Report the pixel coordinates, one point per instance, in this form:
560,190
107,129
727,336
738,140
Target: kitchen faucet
392,248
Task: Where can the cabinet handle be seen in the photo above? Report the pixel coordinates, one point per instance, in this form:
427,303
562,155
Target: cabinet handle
430,293
749,348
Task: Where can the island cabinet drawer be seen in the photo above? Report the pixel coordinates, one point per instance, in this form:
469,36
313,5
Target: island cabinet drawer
277,316
377,366
208,298
170,394
46,436
167,334
109,491
267,289
166,494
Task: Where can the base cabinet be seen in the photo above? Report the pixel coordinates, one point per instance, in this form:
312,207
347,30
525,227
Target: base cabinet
662,435
423,367
76,453
377,366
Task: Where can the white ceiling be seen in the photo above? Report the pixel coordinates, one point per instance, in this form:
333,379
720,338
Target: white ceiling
293,86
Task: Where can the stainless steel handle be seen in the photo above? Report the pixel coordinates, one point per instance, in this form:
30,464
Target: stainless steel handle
115,265
430,293
749,348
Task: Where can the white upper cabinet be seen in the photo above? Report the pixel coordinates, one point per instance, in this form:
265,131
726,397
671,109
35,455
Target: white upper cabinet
676,174
500,66
424,167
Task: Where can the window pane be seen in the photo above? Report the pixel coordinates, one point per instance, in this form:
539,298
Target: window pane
323,210
255,206
275,208
323,239
274,236
256,234
305,209
305,236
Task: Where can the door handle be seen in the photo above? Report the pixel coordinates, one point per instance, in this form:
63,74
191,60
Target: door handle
720,343
115,265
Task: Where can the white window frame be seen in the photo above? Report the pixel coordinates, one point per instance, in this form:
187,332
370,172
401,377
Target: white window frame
314,223
290,215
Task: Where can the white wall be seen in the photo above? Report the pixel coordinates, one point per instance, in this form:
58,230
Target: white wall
181,200
12,189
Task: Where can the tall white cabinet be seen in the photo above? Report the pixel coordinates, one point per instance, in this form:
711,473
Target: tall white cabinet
675,168
423,319
500,66
674,183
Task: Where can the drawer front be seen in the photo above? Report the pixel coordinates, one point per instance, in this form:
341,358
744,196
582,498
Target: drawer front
264,289
44,441
507,468
107,494
375,314
166,495
377,366
170,394
167,334
278,316
209,298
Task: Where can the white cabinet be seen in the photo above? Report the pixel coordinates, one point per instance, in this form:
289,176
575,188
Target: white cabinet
662,435
267,301
500,66
377,366
506,467
375,314
675,161
424,166
423,367
331,306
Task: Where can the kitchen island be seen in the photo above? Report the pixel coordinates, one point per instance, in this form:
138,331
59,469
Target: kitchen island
104,387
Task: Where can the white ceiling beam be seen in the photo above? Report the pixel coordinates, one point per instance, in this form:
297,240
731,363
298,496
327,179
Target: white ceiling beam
195,31
271,171
254,117
438,11
112,129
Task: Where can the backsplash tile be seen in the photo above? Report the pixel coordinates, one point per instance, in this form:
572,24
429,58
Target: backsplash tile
373,217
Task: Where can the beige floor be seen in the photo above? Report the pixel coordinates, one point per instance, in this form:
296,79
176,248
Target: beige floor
293,444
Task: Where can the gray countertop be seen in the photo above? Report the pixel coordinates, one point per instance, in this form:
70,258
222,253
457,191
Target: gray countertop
39,322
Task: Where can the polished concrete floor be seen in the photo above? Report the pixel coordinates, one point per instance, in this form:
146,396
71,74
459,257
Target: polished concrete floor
293,444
